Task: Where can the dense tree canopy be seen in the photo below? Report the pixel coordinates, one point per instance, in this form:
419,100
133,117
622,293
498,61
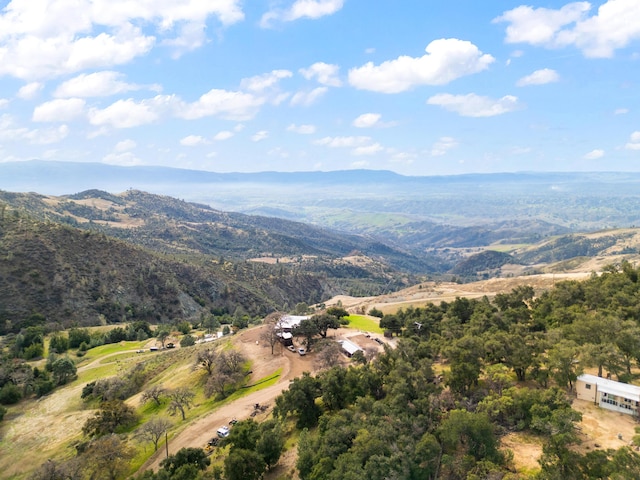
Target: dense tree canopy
461,375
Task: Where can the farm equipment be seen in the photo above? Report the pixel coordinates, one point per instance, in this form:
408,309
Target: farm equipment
257,408
211,444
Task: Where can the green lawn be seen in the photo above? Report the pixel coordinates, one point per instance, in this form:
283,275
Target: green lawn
111,348
364,323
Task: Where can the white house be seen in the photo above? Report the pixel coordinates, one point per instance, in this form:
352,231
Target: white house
286,324
616,396
289,322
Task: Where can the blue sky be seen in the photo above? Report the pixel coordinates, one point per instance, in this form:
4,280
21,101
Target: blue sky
419,87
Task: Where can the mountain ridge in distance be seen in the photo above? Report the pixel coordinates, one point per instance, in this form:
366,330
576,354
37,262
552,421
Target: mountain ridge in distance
60,177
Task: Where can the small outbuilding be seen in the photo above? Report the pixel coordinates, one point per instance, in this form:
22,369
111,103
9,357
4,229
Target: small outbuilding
349,348
285,326
609,394
286,338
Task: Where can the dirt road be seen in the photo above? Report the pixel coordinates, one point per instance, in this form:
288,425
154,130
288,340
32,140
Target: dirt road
264,364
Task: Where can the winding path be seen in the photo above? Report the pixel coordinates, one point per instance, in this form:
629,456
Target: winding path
264,364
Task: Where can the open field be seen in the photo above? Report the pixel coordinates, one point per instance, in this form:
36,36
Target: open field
436,292
364,323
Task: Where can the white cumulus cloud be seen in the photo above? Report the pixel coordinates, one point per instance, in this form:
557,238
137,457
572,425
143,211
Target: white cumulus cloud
634,141
367,120
55,37
125,145
130,113
10,132
305,98
311,9
127,113
594,154
302,129
193,141
472,105
59,110
324,73
98,84
265,81
259,136
223,135
539,26
123,159
368,149
615,25
539,77
30,90
343,142
443,145
226,104
446,60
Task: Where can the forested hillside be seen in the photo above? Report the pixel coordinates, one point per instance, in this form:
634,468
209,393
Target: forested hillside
169,225
51,273
507,366
96,258
456,379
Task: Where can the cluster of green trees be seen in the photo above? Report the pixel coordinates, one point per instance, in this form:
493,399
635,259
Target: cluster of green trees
253,449
318,325
20,379
394,418
387,419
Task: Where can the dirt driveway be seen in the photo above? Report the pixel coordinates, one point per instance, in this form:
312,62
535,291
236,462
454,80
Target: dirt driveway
599,429
264,364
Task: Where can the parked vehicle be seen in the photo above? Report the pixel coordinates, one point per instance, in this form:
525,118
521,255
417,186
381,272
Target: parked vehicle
302,351
223,431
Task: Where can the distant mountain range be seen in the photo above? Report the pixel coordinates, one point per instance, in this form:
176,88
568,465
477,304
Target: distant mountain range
96,256
416,213
60,178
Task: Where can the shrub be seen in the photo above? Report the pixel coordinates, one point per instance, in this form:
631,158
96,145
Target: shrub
35,350
79,336
10,394
43,387
58,343
87,390
183,327
113,417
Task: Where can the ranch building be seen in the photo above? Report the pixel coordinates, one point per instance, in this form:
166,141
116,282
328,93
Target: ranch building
616,396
